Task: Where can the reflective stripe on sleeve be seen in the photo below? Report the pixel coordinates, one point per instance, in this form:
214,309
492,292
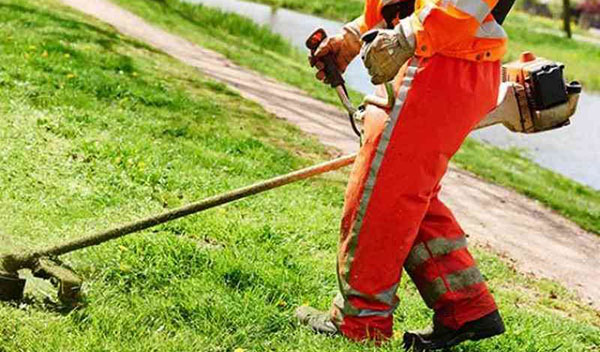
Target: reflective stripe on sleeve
479,9
408,31
491,30
425,12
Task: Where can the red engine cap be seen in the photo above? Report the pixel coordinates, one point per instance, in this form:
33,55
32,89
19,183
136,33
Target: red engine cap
527,56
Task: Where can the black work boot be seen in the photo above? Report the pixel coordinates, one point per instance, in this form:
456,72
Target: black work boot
318,320
440,337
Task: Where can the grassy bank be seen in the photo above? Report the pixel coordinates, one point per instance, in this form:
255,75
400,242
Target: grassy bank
255,47
97,129
582,59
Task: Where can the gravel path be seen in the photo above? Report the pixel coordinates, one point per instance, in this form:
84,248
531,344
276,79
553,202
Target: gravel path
536,239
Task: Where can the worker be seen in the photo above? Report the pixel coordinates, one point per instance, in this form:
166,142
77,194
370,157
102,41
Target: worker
445,56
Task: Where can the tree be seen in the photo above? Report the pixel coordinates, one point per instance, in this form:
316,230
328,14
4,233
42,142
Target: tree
567,18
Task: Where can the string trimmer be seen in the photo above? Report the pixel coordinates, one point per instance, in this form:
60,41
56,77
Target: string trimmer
534,98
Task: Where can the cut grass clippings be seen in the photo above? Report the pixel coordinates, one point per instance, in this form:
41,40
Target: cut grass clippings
97,129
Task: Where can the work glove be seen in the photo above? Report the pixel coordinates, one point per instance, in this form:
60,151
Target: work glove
385,55
344,47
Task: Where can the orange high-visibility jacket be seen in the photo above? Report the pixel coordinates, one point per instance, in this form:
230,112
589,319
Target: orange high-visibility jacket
457,28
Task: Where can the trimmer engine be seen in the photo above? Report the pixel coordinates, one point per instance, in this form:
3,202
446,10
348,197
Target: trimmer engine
543,80
534,96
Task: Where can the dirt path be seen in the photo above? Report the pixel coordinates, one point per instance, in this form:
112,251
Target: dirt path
538,240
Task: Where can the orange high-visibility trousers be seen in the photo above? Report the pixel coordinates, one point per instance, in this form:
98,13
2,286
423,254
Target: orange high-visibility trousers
393,217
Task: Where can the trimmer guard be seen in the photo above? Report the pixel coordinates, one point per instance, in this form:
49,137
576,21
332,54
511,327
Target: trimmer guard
11,287
68,283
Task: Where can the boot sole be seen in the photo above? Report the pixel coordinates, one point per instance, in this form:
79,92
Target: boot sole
417,345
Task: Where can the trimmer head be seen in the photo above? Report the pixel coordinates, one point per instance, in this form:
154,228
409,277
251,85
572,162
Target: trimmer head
11,287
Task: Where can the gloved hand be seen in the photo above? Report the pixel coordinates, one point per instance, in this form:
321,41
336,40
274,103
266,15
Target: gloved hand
386,54
344,47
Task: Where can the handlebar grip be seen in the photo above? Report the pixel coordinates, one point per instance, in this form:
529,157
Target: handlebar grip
332,73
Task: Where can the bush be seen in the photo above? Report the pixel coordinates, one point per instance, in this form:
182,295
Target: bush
589,13
537,7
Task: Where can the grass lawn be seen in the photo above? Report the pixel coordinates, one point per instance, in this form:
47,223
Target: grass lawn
257,48
97,129
582,59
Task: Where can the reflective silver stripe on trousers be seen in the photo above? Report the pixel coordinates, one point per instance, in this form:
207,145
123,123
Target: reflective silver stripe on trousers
376,313
347,309
387,296
376,164
433,291
491,30
457,281
438,247
462,279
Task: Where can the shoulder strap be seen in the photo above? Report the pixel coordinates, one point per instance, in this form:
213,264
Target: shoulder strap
502,9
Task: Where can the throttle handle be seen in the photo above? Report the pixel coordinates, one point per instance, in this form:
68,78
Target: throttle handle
332,74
